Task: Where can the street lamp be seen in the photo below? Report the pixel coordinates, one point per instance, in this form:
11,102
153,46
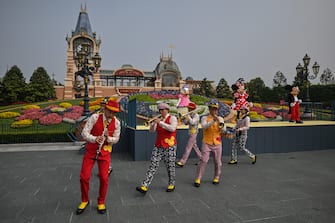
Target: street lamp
304,77
81,58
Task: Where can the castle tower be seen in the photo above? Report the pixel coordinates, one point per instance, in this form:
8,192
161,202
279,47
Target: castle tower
82,34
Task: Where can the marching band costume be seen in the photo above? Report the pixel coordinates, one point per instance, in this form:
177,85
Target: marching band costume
101,131
213,127
165,148
241,135
192,120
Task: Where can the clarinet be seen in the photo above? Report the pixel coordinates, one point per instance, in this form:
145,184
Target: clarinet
102,143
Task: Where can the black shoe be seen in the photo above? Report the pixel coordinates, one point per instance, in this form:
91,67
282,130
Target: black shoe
254,159
101,209
81,208
110,170
216,181
232,162
197,183
299,122
291,121
170,188
179,164
142,189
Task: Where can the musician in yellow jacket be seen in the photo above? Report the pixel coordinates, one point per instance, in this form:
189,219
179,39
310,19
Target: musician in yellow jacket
213,127
101,131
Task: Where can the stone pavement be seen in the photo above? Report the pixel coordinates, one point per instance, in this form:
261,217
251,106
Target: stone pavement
43,187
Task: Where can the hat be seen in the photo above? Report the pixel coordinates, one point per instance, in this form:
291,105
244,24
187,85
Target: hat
104,100
213,105
163,106
113,105
192,106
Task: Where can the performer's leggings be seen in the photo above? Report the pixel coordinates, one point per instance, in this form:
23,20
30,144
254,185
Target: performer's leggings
192,143
169,157
85,175
205,153
240,141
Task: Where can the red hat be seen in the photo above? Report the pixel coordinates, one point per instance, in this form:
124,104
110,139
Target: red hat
192,106
113,105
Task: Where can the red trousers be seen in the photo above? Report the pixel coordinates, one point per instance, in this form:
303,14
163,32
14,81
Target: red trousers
295,112
85,175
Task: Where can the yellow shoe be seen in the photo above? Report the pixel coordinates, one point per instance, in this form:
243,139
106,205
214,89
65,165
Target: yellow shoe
82,206
170,188
142,189
253,159
232,162
216,180
197,183
179,164
101,208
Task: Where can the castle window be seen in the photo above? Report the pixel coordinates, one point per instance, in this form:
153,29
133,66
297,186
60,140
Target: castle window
169,80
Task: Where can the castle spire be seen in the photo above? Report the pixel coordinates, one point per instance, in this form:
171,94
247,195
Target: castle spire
83,9
83,22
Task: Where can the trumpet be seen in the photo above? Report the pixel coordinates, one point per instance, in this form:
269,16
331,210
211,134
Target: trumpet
221,123
181,116
149,121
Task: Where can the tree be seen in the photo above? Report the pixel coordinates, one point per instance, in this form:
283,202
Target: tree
327,77
13,88
255,89
279,80
206,88
40,87
223,90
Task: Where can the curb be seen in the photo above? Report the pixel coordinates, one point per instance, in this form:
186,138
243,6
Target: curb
25,147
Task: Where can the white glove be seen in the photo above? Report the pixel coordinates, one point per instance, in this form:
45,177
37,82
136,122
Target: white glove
300,101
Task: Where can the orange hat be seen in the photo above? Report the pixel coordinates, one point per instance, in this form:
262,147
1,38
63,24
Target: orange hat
192,106
113,105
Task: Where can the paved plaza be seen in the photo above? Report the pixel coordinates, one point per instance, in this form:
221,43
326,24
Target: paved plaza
40,186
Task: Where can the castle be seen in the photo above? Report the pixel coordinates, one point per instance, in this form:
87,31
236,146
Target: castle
123,80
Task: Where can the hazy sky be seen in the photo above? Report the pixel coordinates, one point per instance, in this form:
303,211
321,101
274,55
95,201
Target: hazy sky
212,38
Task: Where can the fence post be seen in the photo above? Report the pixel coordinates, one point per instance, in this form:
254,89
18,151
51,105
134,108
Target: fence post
131,115
333,110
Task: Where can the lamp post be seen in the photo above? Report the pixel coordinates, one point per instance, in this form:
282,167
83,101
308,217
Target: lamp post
83,55
304,77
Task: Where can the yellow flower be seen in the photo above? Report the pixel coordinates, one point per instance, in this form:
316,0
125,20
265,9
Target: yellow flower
9,114
65,104
26,107
22,123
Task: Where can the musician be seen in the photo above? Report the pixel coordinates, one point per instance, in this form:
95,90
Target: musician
103,105
164,148
241,135
101,131
192,120
213,127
